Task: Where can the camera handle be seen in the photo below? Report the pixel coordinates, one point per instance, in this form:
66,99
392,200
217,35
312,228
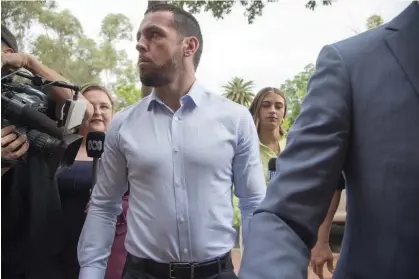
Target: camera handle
8,163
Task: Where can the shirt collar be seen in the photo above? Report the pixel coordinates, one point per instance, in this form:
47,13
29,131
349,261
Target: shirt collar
195,95
267,149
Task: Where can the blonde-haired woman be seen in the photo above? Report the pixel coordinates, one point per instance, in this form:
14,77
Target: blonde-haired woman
269,109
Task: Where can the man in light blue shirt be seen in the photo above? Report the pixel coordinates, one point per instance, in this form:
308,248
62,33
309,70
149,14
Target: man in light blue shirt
180,149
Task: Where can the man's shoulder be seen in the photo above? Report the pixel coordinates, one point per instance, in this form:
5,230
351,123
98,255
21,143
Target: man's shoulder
222,103
126,113
228,112
363,43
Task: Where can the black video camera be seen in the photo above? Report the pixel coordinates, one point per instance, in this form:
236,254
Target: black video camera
56,140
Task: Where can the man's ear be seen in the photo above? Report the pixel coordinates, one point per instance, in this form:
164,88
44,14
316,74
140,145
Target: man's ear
6,49
191,45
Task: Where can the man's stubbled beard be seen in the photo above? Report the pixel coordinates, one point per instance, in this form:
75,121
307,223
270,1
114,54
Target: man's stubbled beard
160,76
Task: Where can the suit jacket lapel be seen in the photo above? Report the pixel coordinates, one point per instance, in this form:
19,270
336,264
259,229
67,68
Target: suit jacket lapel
403,40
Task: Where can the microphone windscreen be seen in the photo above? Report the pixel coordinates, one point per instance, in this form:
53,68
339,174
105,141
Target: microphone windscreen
272,164
95,142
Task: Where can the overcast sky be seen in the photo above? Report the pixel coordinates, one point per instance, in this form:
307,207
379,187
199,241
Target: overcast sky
274,48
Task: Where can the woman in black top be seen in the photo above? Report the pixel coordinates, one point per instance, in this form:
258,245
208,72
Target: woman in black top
75,183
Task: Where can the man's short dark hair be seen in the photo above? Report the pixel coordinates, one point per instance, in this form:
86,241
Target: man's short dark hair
185,23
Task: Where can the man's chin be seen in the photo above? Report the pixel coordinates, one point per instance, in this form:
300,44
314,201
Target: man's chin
147,81
153,80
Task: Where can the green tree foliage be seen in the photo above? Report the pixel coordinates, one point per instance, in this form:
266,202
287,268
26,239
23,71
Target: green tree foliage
128,94
237,217
313,4
220,9
64,47
240,91
295,90
374,21
22,14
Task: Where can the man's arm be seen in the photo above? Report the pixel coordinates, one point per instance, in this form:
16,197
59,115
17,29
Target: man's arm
285,226
248,179
98,231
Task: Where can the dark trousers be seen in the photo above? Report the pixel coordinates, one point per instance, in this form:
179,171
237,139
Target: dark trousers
49,268
140,269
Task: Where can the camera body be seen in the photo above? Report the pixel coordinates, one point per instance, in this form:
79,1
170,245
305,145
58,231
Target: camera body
29,110
26,95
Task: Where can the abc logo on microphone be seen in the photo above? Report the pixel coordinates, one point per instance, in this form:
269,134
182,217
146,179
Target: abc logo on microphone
95,142
94,145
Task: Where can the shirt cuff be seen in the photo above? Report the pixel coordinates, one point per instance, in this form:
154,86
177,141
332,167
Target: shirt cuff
92,273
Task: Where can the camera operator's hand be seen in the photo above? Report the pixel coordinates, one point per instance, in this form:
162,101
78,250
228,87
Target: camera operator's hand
30,63
14,60
12,146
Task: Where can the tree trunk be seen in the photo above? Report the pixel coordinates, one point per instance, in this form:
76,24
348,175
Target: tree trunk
145,90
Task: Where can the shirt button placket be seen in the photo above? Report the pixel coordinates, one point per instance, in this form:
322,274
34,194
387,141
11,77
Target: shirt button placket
180,197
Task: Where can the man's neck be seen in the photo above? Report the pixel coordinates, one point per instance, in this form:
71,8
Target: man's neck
171,93
270,138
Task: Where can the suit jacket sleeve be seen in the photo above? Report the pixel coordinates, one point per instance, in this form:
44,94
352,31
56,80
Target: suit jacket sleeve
285,226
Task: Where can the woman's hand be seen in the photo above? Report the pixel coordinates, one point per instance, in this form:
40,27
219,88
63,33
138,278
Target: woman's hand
321,254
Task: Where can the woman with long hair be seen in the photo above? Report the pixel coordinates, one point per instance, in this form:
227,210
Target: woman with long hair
75,183
269,109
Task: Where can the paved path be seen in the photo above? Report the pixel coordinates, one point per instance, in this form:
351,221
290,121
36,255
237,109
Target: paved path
236,262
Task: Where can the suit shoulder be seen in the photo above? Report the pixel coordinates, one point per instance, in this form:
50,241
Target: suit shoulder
363,44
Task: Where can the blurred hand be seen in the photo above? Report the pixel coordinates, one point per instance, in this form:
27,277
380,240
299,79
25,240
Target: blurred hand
14,60
321,254
12,146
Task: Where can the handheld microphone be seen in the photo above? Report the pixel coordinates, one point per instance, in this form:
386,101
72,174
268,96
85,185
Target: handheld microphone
95,142
271,168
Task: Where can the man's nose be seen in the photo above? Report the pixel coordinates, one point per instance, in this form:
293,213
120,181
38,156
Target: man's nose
141,45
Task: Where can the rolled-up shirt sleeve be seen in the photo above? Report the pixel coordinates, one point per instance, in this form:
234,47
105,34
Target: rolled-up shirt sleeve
248,177
98,232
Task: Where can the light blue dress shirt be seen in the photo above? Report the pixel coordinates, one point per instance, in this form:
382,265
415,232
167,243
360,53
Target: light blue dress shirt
180,167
